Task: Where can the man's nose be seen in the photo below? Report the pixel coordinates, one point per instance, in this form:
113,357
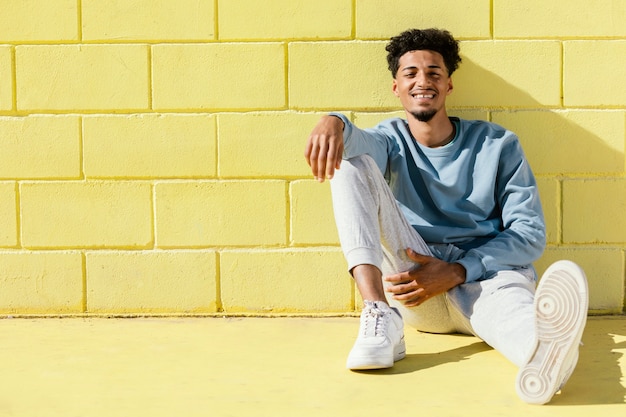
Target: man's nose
422,79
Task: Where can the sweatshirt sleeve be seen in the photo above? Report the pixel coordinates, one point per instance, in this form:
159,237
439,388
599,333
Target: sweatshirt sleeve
373,142
522,238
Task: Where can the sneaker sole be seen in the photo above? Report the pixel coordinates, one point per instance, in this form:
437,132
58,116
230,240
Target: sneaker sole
561,308
361,363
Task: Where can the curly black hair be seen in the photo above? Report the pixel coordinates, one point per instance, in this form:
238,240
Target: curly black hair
437,40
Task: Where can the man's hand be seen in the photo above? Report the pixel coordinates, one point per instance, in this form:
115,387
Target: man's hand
430,278
324,148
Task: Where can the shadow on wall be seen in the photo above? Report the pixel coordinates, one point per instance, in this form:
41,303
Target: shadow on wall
557,141
576,155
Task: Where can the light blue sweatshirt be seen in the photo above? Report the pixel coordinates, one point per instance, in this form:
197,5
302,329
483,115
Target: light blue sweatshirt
477,193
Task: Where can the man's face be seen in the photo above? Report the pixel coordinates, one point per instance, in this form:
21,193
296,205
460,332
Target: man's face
422,83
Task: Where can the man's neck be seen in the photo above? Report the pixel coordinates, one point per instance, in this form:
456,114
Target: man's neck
437,132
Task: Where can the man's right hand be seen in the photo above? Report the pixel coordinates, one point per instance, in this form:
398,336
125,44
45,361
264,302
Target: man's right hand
324,148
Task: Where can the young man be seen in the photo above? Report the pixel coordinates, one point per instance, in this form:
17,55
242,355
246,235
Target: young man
439,220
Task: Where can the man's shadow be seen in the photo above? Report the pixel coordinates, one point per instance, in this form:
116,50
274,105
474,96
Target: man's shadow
415,362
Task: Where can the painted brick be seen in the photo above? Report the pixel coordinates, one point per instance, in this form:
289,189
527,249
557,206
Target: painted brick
469,114
147,20
594,73
6,79
40,147
36,20
384,19
86,214
549,194
559,18
151,282
217,213
41,282
365,120
149,146
508,74
320,76
264,144
593,211
82,77
219,76
566,142
299,19
312,218
605,274
285,281
8,214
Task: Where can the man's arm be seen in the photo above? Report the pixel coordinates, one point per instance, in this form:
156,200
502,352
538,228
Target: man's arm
335,138
523,237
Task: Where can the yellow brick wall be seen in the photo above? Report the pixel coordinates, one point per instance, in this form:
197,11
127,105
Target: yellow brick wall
151,151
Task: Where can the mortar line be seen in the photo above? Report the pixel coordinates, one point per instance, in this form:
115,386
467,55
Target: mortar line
353,28
562,84
491,16
79,9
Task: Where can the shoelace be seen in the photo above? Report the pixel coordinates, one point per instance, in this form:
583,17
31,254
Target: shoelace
375,319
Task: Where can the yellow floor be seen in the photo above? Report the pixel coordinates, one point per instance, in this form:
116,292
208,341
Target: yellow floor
293,367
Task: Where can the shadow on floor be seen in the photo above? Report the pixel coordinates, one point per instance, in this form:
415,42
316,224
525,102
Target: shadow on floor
597,378
415,362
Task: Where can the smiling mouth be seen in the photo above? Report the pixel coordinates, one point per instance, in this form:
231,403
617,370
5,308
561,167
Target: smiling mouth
422,95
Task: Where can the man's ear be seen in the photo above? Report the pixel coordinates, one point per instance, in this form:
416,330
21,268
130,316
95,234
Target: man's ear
450,86
394,88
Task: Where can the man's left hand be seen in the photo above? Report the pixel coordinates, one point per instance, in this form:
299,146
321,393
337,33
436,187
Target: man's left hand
429,278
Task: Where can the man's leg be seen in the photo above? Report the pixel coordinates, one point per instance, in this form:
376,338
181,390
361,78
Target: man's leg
500,311
374,235
356,205
367,215
561,307
539,332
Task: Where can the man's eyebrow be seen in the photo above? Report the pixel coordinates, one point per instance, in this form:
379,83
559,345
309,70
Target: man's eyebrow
413,67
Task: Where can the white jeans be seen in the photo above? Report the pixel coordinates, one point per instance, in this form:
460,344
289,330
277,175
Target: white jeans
373,230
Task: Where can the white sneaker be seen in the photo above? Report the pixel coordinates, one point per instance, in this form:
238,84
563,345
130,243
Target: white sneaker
381,338
561,304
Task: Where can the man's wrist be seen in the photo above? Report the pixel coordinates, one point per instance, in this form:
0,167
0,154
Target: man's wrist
460,272
343,124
